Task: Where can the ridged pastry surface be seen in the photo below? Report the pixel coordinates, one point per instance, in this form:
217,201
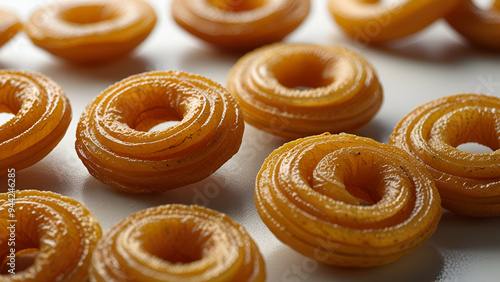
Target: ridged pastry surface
93,31
42,114
115,144
297,90
240,25
346,200
60,231
469,183
177,243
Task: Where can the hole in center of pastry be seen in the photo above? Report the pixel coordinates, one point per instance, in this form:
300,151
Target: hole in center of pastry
164,125
21,261
302,72
182,256
362,189
354,176
475,148
470,128
156,119
5,117
88,14
483,4
237,5
177,242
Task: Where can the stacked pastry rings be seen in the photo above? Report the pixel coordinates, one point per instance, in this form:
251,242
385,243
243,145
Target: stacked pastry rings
177,243
61,230
240,25
343,90
347,200
91,31
115,145
42,114
9,26
469,183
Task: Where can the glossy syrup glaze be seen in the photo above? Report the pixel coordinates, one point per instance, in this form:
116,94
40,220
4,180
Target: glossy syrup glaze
373,21
177,243
59,231
116,146
296,90
90,32
42,114
346,200
240,25
469,183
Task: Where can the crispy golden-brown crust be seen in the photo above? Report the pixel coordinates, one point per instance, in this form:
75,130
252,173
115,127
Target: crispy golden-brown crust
59,229
240,25
469,183
347,200
177,243
42,114
344,90
90,32
115,145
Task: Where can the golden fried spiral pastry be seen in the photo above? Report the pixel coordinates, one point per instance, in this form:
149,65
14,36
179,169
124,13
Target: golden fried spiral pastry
478,26
91,31
469,183
9,26
347,200
59,230
115,145
240,25
344,90
42,114
371,21
177,243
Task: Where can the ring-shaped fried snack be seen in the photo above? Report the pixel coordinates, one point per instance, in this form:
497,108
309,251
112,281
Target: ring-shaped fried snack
42,114
9,26
343,92
58,230
469,183
370,21
116,146
177,243
346,200
478,26
91,31
240,25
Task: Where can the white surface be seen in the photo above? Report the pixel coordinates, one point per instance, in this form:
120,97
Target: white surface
419,69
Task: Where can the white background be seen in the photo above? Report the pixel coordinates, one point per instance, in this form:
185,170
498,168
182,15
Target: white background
413,71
